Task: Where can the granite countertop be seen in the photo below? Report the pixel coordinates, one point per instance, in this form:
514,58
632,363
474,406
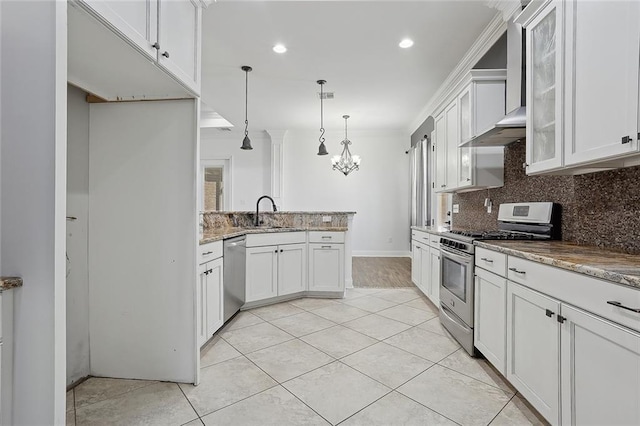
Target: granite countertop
7,283
608,265
429,229
279,211
218,234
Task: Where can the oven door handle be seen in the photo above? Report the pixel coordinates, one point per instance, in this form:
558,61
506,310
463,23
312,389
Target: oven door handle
463,259
448,313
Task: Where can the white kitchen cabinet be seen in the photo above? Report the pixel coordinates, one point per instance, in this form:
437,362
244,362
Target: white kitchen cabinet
544,41
441,152
275,271
425,270
490,318
326,267
134,20
602,72
474,110
214,296
582,85
481,104
600,367
533,348
434,279
167,32
179,34
292,267
452,142
262,273
416,262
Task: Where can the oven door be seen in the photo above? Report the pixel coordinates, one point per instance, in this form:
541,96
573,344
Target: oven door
456,284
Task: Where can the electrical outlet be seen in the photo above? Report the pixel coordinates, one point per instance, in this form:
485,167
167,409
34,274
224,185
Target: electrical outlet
326,218
456,208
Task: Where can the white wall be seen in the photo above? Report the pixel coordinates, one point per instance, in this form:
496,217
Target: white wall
142,240
251,176
77,206
378,192
33,190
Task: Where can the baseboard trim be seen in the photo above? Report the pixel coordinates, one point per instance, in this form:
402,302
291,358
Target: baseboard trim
381,254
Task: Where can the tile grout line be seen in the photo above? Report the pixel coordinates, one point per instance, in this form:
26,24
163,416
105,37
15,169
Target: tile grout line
429,408
502,409
471,377
192,407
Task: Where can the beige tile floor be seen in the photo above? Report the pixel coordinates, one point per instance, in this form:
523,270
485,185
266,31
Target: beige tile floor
377,357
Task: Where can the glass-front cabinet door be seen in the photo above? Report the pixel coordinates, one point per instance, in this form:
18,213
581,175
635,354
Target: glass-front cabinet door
544,89
465,159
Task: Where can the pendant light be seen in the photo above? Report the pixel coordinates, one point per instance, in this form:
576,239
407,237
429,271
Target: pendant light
246,142
346,163
322,150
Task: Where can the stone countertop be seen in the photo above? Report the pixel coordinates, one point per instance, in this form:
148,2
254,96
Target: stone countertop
608,265
7,283
279,211
218,234
429,229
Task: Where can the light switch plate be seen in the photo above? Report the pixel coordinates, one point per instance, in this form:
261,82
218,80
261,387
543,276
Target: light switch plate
326,218
456,208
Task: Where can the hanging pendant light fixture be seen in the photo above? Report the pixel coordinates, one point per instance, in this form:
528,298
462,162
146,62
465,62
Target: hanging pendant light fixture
345,162
322,150
246,142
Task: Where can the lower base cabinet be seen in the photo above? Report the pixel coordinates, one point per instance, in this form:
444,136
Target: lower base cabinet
490,319
326,267
425,270
275,271
533,348
210,309
600,367
434,282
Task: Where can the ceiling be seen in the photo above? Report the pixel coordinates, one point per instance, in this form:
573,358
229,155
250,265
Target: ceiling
351,44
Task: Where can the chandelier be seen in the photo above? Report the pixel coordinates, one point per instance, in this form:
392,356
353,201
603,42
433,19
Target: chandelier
345,162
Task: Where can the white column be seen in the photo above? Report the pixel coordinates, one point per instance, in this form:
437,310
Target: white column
33,203
277,157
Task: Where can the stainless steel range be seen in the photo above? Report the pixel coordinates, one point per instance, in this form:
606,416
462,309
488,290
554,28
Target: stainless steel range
516,221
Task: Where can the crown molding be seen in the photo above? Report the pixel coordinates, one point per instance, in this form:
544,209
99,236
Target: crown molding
493,31
508,7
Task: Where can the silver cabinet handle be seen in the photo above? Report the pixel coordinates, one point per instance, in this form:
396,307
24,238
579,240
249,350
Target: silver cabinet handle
516,271
487,260
326,237
166,54
325,247
621,306
209,252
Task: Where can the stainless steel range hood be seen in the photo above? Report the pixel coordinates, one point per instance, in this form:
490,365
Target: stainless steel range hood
512,127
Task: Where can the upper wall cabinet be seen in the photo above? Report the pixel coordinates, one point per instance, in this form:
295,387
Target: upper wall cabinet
582,85
479,105
147,49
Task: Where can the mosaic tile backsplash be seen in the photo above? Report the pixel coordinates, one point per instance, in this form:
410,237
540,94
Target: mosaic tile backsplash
598,209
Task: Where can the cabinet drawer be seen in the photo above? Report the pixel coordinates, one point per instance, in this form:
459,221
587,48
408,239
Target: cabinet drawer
491,261
326,237
582,291
420,237
276,238
209,251
434,240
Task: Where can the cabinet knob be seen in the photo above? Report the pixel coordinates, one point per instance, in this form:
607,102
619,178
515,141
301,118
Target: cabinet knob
156,45
276,251
210,271
165,54
443,186
468,179
281,250
548,313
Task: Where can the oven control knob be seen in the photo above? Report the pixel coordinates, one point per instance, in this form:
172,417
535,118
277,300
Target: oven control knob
462,246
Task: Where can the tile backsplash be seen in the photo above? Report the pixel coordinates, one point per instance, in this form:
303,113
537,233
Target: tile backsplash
598,209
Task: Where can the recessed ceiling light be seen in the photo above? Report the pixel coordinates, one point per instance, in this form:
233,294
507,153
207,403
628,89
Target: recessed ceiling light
406,43
279,48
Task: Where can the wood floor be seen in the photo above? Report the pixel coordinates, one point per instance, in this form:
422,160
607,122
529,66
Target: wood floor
382,272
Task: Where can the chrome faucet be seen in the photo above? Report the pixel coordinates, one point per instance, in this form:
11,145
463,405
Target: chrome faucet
273,203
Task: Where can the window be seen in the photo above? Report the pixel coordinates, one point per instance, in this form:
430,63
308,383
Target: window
213,188
215,185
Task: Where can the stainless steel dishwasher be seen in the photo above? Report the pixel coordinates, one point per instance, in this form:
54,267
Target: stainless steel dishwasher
235,254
